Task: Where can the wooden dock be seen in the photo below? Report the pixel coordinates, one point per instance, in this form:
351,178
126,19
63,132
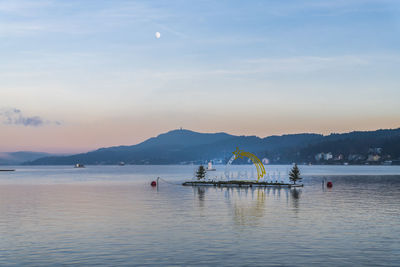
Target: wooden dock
239,184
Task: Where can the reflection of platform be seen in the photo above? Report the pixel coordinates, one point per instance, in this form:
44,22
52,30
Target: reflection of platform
239,184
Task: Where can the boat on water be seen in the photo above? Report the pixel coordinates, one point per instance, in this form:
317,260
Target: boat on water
121,163
210,167
78,165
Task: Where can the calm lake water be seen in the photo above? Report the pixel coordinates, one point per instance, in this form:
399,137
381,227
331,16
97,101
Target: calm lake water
109,215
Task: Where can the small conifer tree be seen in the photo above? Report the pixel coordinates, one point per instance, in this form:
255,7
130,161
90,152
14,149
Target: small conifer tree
294,174
201,172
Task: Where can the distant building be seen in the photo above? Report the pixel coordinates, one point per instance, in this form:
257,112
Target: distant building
323,156
373,158
328,156
319,156
339,157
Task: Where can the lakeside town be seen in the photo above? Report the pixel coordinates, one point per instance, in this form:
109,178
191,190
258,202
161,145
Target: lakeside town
374,156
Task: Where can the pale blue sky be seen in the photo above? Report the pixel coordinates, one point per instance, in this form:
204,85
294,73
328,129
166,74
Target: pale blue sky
95,74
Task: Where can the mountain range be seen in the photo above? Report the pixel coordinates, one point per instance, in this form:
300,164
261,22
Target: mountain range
15,158
185,147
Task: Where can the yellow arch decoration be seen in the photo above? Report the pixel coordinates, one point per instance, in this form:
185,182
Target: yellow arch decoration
260,167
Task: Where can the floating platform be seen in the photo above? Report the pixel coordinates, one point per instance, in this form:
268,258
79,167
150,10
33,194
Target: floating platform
239,184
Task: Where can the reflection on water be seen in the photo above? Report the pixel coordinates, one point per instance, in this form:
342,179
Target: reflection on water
248,204
200,192
114,217
295,197
249,213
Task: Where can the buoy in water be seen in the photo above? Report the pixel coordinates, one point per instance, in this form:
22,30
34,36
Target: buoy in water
153,183
329,184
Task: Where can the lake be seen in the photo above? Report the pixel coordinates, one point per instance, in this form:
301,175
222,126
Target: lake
111,216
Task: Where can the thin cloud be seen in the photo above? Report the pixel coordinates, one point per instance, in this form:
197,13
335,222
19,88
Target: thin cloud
23,7
104,16
13,116
286,65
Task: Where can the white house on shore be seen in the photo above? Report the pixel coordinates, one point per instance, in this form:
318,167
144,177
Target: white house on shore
323,156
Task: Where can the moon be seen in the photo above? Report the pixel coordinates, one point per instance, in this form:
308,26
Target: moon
158,35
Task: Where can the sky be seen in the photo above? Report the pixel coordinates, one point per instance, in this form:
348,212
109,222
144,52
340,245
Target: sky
79,75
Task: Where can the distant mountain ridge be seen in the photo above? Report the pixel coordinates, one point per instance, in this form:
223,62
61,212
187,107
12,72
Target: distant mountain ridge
185,146
15,158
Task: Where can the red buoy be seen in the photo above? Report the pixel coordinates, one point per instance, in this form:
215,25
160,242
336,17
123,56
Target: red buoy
153,183
329,184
